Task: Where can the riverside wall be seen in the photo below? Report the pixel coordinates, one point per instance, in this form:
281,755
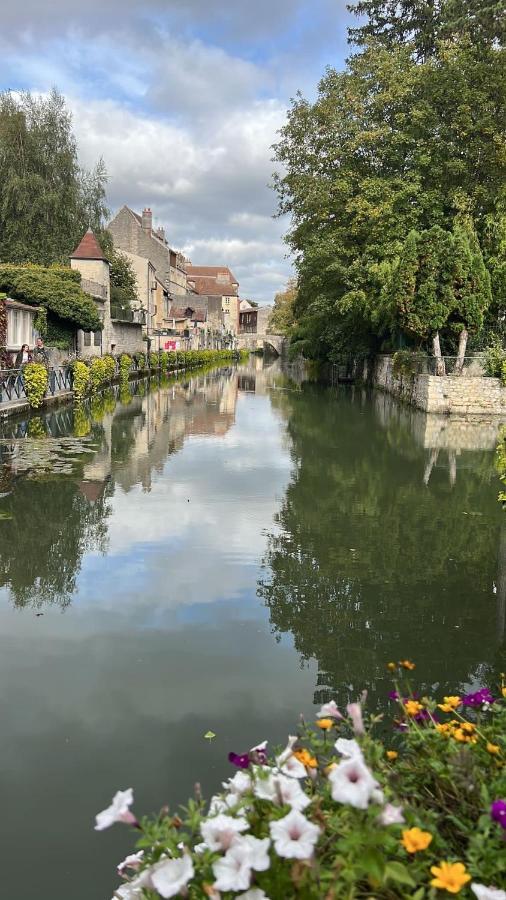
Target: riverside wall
449,395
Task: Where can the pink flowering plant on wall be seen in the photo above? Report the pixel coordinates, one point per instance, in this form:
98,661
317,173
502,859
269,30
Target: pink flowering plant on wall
355,806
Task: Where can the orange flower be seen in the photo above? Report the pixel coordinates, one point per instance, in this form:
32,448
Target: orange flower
392,754
414,839
450,877
325,724
407,664
391,666
306,759
450,703
493,748
412,707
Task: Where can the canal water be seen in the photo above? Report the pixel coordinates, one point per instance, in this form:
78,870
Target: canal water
219,553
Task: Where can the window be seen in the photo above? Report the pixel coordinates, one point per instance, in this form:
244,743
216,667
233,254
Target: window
20,327
87,338
98,338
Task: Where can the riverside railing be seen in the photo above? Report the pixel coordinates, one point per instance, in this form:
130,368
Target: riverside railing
12,385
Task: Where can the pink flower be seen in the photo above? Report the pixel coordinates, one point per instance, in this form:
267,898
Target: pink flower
329,709
391,815
220,831
354,711
118,811
233,871
131,862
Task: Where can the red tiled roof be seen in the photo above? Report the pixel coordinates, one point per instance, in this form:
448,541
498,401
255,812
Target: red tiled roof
210,286
211,271
89,248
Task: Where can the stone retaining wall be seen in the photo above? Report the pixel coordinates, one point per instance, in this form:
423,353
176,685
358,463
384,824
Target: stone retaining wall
450,395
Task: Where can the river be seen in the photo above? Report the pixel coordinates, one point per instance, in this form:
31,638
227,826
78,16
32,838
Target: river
219,553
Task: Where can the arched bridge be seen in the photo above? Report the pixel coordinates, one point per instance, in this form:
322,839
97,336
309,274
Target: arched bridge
269,343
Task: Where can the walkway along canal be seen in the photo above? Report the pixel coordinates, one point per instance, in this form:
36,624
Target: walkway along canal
220,552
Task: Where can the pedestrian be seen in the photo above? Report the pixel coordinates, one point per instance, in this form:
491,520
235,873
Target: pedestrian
23,357
40,354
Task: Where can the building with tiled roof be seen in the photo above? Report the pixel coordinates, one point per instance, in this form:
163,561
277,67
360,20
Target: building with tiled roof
217,281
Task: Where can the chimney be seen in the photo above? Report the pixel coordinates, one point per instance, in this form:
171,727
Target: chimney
147,220
161,233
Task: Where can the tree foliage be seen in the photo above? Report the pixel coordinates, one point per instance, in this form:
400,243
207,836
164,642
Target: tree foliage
57,288
282,317
123,280
47,201
398,141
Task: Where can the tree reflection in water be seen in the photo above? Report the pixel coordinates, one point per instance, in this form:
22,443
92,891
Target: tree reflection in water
368,564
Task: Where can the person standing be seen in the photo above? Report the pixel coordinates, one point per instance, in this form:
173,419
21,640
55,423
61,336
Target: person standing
40,354
23,357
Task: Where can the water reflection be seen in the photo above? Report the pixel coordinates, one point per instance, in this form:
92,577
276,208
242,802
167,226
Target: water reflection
372,559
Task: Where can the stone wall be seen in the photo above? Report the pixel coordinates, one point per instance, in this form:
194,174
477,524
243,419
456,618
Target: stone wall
127,337
455,395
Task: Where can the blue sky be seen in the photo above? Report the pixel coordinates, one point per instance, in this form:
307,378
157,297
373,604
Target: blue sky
183,100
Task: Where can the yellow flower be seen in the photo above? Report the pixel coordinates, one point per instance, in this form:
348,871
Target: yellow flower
493,748
407,664
414,839
468,727
450,703
305,758
325,724
444,729
392,754
412,707
503,691
459,735
391,666
450,877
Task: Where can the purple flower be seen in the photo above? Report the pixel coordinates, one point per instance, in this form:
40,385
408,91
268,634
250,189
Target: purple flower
478,698
393,695
241,760
498,812
422,716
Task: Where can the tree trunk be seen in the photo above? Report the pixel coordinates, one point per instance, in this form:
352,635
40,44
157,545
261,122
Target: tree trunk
461,354
440,363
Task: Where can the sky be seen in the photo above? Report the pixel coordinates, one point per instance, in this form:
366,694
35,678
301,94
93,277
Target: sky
183,99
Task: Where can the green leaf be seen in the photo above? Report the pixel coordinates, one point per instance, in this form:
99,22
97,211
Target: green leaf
396,871
209,735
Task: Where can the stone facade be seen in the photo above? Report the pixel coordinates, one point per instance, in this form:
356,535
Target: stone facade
126,337
90,261
455,395
134,234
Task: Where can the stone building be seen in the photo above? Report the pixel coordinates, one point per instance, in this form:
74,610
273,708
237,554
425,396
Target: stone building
134,234
217,281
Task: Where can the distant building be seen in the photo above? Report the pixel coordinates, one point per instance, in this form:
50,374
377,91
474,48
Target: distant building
217,281
248,318
134,234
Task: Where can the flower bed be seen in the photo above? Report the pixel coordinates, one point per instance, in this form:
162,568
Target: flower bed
342,813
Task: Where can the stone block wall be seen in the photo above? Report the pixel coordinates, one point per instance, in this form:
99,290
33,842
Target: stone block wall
126,338
455,395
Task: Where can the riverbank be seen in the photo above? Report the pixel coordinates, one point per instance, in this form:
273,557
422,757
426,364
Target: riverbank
456,395
140,365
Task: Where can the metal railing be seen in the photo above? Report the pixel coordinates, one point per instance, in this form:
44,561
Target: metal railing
12,385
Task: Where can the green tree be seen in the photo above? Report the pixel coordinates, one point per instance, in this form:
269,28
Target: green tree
389,145
123,280
47,201
57,289
472,294
282,316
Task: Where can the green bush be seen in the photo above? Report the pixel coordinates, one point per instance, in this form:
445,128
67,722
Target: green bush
35,378
56,288
495,357
407,364
81,380
154,360
125,364
352,808
140,359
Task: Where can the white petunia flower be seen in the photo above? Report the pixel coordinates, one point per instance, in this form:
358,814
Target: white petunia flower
133,890
131,862
288,763
348,748
280,789
233,871
239,784
329,710
352,783
377,796
253,894
220,831
487,893
118,811
391,815
170,876
294,836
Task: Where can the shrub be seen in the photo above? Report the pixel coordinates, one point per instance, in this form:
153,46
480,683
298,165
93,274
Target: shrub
495,357
35,378
164,359
341,813
56,288
102,371
81,380
154,360
125,364
407,364
140,359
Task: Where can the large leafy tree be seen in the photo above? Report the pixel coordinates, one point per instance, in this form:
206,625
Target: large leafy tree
396,142
47,201
123,280
282,316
